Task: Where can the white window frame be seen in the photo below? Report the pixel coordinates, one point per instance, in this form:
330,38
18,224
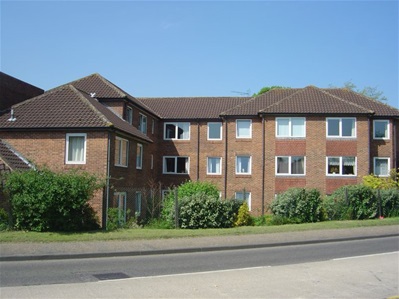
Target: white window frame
152,162
138,203
164,168
237,129
67,160
139,157
247,200
388,166
290,166
341,167
119,163
238,171
220,130
176,124
290,126
121,201
388,133
129,114
340,119
208,172
143,123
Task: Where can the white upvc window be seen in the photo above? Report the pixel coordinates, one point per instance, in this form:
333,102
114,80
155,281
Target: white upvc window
344,127
143,123
243,164
177,131
290,127
214,165
120,200
341,166
121,152
244,197
290,165
129,115
139,156
381,129
381,166
243,128
137,203
176,165
214,131
75,152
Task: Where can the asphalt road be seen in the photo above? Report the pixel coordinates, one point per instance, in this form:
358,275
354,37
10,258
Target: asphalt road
73,271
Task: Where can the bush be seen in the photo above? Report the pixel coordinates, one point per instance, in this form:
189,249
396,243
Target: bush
243,217
48,201
4,220
389,202
204,211
299,205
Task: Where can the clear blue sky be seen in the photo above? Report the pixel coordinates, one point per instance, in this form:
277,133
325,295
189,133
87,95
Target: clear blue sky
203,48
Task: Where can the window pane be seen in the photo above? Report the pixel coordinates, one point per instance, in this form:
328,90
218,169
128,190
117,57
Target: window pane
243,164
298,165
143,124
139,157
348,127
381,129
348,165
170,131
333,127
283,127
333,166
381,167
169,165
214,130
243,128
214,165
117,151
123,152
298,127
182,165
183,131
282,165
76,146
138,203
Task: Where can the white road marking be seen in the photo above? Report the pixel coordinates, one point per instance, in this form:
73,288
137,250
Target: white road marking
362,256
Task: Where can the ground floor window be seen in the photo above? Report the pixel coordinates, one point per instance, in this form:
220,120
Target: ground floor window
290,165
137,204
244,196
381,166
176,165
120,200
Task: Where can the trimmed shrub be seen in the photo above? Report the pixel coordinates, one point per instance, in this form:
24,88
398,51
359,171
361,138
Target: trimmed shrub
48,201
243,217
299,205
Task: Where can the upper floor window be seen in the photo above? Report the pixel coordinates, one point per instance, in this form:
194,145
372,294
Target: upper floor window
294,165
214,131
243,165
143,123
180,130
290,127
341,127
381,166
214,165
75,148
341,166
129,115
381,129
176,165
121,151
243,128
139,156
244,197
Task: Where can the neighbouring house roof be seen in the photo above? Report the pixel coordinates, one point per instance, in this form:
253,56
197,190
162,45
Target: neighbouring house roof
66,107
192,107
13,91
13,159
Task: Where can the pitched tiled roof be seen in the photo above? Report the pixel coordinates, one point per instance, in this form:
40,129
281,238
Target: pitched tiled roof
13,159
65,107
192,107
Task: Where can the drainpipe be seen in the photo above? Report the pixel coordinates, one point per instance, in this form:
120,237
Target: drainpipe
198,149
107,181
394,129
224,121
263,163
370,161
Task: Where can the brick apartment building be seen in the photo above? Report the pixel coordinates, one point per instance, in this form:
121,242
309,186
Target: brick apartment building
252,148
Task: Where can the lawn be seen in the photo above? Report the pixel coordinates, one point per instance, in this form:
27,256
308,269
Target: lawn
146,233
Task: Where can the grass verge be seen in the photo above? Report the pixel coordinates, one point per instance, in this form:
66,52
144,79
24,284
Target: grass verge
147,233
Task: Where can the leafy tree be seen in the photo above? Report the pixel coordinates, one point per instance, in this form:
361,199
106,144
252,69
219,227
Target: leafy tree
266,89
376,182
368,91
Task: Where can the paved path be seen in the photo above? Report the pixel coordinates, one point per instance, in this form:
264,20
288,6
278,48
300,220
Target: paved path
64,250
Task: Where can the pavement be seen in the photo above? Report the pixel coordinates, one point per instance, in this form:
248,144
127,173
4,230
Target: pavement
96,249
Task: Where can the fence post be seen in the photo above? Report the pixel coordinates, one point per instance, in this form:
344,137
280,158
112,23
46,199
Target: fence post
176,210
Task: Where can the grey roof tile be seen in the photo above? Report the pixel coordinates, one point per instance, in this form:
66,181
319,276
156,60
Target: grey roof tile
13,159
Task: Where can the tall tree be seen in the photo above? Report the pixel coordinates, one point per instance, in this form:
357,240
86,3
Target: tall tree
266,89
368,91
